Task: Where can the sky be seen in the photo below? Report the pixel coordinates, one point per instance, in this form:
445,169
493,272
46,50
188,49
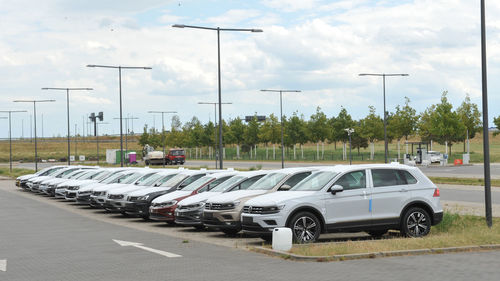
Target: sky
316,46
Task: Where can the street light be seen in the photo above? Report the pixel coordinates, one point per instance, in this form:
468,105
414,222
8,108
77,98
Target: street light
34,115
162,130
10,133
281,116
215,125
383,75
67,109
349,132
119,67
218,29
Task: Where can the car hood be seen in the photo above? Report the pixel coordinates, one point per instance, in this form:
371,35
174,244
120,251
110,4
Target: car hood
278,197
126,189
41,178
148,190
228,197
171,196
107,187
26,177
54,181
91,186
201,197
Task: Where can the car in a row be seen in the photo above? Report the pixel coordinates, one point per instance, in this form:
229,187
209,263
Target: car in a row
374,198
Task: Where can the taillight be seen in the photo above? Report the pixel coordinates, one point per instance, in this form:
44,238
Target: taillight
436,192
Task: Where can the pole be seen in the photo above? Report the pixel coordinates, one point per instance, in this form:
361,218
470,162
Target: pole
163,137
36,154
350,150
126,138
215,134
121,125
76,142
67,111
486,144
10,143
96,139
220,101
282,140
385,124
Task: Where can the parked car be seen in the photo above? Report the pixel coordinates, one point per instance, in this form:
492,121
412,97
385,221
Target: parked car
138,202
175,156
72,186
163,207
372,198
59,186
84,190
61,175
434,156
190,210
21,180
224,211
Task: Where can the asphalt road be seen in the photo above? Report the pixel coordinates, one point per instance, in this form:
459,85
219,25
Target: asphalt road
43,242
469,171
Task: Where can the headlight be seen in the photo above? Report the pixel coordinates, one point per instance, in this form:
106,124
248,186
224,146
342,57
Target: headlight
200,205
272,209
170,203
143,198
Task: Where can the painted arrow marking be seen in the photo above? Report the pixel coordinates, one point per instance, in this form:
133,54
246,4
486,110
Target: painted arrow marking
140,246
3,265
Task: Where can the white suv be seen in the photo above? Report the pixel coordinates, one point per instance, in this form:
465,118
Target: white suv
372,198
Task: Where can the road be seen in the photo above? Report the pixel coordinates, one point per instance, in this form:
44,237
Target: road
43,241
469,171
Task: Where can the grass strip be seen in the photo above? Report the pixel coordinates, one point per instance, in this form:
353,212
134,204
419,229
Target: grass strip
454,231
463,181
16,172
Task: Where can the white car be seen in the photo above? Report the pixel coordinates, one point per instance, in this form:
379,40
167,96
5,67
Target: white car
72,186
57,185
21,180
190,210
372,198
434,156
33,184
86,193
67,174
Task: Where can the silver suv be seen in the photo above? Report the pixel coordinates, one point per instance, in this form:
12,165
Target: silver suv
372,198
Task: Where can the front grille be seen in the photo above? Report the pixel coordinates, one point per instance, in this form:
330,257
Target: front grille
260,210
97,193
133,198
219,206
72,188
185,207
115,196
70,195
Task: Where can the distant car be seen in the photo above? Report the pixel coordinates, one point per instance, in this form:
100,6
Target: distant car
434,156
349,198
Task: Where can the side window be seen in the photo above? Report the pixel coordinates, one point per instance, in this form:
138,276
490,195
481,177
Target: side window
217,182
293,180
248,182
410,179
191,179
387,177
352,180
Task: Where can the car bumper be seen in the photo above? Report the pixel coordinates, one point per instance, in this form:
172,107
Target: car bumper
83,198
140,208
163,214
70,195
222,219
97,201
189,217
261,224
437,218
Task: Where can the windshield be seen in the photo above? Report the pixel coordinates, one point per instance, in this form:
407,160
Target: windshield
228,184
175,180
198,183
86,175
113,178
70,174
267,182
150,180
177,152
131,178
164,179
314,182
103,175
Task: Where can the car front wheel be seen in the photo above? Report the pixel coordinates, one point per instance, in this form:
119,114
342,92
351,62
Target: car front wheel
416,222
305,227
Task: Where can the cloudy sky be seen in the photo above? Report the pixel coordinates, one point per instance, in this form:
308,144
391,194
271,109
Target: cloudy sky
315,46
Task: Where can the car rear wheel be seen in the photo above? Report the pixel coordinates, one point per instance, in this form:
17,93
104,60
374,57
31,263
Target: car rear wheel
305,227
416,222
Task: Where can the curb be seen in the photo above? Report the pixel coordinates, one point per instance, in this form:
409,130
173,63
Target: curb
294,257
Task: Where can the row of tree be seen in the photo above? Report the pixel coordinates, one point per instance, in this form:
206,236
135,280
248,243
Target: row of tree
439,123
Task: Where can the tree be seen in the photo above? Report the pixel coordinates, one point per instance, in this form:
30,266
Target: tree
235,134
372,128
318,128
403,123
496,121
270,131
470,116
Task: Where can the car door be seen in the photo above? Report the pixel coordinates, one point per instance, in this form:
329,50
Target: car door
350,207
390,191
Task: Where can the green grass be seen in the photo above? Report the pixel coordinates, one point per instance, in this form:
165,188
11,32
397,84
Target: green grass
463,181
455,230
16,172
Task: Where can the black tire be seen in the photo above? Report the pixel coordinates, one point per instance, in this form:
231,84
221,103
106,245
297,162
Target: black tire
125,214
171,222
146,217
146,162
305,226
416,222
231,231
377,233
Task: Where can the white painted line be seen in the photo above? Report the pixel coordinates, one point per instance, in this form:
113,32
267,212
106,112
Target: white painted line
140,246
3,265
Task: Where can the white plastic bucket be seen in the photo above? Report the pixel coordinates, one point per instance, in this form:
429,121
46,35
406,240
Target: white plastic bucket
282,239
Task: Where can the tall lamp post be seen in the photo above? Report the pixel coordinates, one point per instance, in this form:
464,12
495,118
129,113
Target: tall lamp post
126,132
281,116
34,117
218,29
349,133
119,67
10,132
162,130
383,75
215,125
67,109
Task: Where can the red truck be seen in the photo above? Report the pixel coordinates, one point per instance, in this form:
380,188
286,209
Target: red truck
175,156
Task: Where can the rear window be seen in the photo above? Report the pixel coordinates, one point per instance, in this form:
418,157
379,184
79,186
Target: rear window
387,177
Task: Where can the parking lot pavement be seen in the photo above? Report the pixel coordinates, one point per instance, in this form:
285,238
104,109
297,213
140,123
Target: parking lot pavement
43,242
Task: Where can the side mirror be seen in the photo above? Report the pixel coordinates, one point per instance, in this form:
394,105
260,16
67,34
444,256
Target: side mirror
285,187
336,188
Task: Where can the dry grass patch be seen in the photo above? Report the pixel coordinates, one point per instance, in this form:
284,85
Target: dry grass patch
454,231
463,181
